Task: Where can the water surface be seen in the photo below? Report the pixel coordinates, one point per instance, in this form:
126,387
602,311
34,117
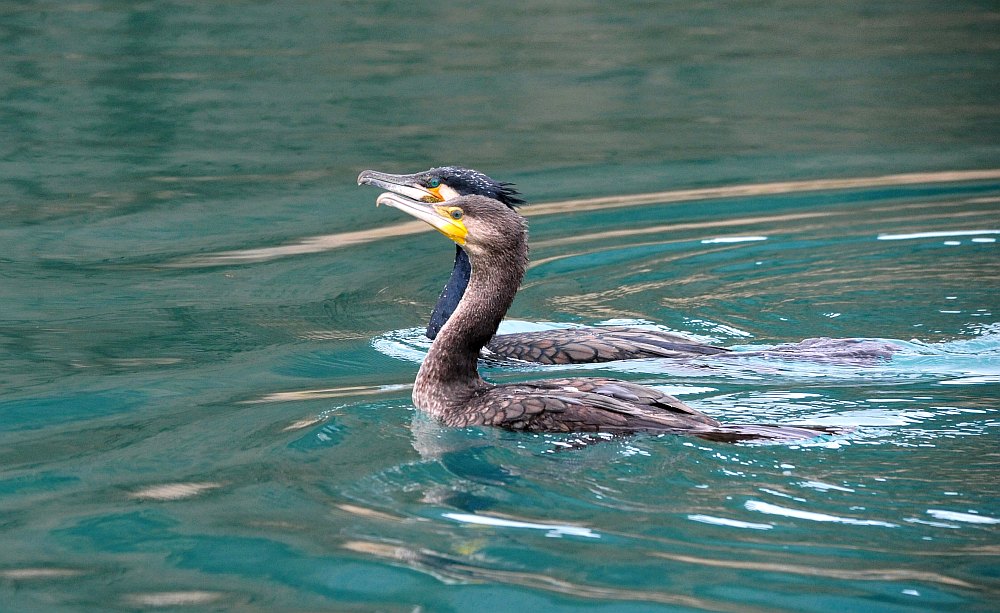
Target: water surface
207,332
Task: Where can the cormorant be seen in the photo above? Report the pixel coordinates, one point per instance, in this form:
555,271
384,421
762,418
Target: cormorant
563,346
448,385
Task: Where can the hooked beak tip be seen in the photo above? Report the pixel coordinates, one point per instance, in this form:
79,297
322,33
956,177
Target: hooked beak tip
386,198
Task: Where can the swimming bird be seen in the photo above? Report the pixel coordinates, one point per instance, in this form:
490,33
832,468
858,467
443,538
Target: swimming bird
562,346
448,384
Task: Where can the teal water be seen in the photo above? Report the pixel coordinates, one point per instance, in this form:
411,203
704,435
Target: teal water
207,331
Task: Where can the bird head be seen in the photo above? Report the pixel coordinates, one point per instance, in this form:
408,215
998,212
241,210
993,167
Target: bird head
477,223
443,184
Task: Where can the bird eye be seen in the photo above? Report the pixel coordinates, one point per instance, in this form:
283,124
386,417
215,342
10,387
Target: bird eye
456,213
434,182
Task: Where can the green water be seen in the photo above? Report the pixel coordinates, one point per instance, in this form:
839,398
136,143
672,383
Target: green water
204,369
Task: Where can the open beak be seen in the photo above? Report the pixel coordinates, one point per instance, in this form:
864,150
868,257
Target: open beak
404,185
437,215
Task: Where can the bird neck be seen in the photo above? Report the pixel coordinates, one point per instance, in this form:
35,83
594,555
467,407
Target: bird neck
448,376
451,294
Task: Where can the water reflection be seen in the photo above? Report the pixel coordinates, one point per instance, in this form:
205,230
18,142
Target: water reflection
808,569
317,244
450,569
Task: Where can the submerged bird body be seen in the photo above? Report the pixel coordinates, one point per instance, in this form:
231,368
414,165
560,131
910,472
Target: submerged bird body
588,344
564,346
448,385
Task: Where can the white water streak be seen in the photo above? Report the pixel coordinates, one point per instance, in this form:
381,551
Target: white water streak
934,234
773,509
553,530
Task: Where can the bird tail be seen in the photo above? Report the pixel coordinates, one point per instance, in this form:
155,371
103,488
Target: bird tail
737,433
845,351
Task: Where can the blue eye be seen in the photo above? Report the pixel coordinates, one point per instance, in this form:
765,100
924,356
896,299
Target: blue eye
456,213
434,182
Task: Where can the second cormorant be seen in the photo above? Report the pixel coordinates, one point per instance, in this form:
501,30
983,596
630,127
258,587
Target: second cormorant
561,346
